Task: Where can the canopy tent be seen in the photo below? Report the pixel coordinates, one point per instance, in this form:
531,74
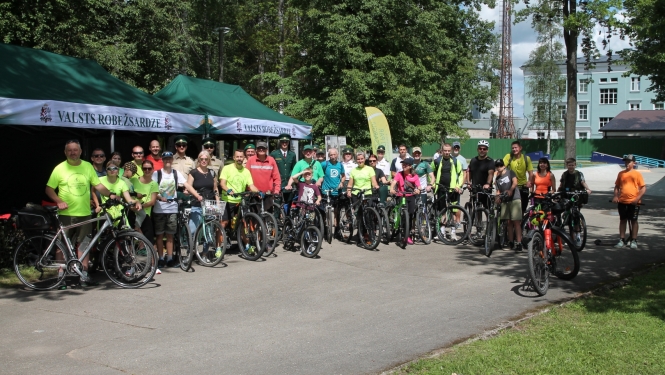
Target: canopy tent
230,109
46,89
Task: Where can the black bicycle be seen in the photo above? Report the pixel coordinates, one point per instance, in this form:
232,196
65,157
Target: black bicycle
302,228
363,218
447,221
479,215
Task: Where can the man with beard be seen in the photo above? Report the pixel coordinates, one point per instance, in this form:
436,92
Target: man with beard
155,155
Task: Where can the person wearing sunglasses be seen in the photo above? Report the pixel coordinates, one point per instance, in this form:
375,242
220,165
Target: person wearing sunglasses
216,163
117,186
98,159
155,155
182,162
481,171
137,156
146,190
380,178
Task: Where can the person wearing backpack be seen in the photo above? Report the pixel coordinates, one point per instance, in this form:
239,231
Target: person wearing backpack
572,179
449,173
521,164
333,179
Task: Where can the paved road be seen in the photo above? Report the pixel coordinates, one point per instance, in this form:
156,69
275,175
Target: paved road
352,311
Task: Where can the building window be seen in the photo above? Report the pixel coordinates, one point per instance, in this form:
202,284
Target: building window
603,80
583,135
634,106
659,106
608,96
562,111
540,135
635,84
582,112
604,120
614,80
584,85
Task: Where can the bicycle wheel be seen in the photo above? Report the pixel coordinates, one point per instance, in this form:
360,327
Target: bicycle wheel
209,244
310,241
280,215
370,230
36,268
477,229
386,232
318,220
577,227
330,224
490,236
538,272
468,208
423,227
183,242
449,227
566,263
502,234
272,233
251,234
392,217
345,224
129,260
404,228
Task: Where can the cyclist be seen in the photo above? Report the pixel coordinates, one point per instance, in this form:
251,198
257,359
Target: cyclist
307,162
449,173
424,171
519,163
572,179
457,148
543,181
407,181
333,178
381,178
234,179
118,187
202,180
629,188
362,177
250,150
506,182
146,190
481,170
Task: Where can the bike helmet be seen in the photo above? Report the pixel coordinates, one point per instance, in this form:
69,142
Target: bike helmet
167,154
483,142
409,161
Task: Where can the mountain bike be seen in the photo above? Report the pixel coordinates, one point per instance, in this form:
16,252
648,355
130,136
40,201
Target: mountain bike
573,220
496,229
208,244
422,226
182,239
43,262
479,215
399,220
329,214
249,227
362,217
446,222
383,209
273,233
303,229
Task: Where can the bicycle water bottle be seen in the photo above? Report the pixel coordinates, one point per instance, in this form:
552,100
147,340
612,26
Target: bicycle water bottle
84,244
233,223
548,239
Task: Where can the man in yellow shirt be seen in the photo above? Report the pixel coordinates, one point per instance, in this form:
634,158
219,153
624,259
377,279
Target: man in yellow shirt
521,165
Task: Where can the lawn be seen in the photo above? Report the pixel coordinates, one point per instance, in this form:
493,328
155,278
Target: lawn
621,331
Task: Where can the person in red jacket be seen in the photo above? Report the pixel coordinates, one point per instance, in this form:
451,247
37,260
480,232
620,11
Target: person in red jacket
265,174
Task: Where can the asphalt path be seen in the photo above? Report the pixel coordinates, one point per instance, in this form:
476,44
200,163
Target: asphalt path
352,311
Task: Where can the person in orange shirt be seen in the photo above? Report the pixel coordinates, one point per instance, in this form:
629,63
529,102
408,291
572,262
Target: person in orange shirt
628,190
543,181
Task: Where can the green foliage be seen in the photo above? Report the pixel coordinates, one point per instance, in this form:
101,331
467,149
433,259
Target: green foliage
645,26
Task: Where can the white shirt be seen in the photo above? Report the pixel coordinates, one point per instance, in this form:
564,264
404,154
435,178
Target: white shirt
398,162
168,190
348,167
384,165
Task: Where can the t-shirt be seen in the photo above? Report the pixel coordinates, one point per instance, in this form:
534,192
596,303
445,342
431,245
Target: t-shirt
117,188
396,165
332,176
379,175
479,169
308,192
157,164
423,169
146,190
462,160
237,180
139,169
411,178
384,165
520,166
362,178
543,183
630,182
348,167
505,182
73,184
569,181
302,164
446,168
168,190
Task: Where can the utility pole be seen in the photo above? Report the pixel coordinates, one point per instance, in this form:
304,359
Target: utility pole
506,127
221,31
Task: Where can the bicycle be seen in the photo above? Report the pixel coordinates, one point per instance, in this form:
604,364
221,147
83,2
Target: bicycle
182,239
249,227
128,257
329,212
573,219
369,228
273,233
546,253
399,219
479,215
383,209
302,228
445,222
208,243
496,229
422,225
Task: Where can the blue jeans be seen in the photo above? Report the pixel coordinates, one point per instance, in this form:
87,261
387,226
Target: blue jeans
195,217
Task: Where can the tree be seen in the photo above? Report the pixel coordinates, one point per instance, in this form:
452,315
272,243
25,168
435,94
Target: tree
578,18
545,86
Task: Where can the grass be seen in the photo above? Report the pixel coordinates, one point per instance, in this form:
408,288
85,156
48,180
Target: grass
8,278
621,331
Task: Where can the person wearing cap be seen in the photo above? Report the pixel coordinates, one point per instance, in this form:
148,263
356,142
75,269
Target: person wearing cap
155,155
137,155
396,165
347,162
320,154
307,161
216,163
424,171
448,174
407,181
629,188
457,147
481,171
381,162
182,162
265,173
249,151
285,159
519,163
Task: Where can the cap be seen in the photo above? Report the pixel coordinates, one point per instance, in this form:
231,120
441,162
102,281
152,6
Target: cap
457,144
417,149
630,157
347,150
181,138
208,140
167,154
261,145
129,166
499,163
284,137
381,148
408,161
250,146
321,150
308,147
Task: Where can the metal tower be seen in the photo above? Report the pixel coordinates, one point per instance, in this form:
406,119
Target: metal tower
506,127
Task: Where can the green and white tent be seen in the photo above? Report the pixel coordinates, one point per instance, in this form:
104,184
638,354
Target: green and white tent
230,109
46,89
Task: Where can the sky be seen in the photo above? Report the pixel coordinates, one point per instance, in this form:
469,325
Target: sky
524,41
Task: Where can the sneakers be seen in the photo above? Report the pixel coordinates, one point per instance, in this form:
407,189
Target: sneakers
250,249
409,241
633,244
621,244
218,253
453,236
161,263
130,272
171,263
86,281
518,247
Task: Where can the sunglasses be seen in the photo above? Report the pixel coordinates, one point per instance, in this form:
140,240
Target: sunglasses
111,169
147,168
137,153
372,160
98,156
181,144
208,146
482,148
203,159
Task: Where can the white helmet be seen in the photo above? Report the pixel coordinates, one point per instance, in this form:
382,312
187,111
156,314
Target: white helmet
483,142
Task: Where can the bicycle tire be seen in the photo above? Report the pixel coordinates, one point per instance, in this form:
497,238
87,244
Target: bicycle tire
287,236
392,218
272,233
583,231
330,224
346,224
478,227
205,248
423,228
252,227
126,263
280,215
446,221
566,263
501,233
537,263
404,229
183,244
386,232
369,233
468,208
35,269
310,241
318,220
490,237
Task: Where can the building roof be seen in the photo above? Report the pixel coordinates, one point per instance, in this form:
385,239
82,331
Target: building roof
636,123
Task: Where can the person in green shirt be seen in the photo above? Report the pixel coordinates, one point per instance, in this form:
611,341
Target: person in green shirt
362,177
117,187
307,162
146,191
521,165
73,179
234,179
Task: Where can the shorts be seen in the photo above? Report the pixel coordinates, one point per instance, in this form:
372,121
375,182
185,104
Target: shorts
628,211
230,211
511,210
140,218
76,234
165,223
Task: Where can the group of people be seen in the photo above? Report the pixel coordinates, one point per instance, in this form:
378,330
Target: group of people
152,183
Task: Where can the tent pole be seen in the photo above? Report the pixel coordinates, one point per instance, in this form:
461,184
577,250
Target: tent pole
112,140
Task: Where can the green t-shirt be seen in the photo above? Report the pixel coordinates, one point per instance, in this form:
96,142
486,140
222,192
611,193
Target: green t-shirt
117,188
237,180
73,184
146,190
520,166
317,171
362,178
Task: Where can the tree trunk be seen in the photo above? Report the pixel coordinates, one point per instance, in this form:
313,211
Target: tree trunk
570,38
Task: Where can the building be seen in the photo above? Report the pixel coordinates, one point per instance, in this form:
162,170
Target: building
601,95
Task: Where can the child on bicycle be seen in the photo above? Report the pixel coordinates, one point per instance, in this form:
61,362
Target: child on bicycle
407,182
307,190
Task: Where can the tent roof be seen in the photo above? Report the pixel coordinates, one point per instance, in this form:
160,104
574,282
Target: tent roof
220,99
40,75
